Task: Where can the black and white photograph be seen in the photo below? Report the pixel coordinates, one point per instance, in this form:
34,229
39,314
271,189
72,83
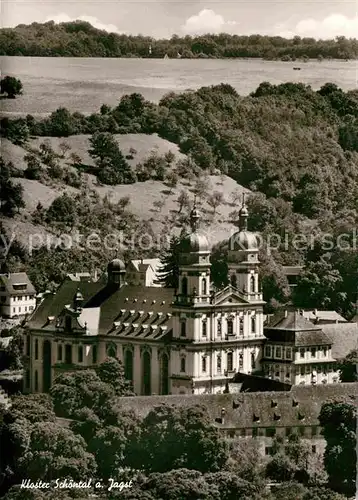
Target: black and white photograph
178,250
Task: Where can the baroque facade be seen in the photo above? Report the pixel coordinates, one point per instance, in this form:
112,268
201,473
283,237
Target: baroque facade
186,341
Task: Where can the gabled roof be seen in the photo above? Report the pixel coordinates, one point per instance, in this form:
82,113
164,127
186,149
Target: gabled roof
231,296
142,264
12,280
322,316
343,336
292,320
128,311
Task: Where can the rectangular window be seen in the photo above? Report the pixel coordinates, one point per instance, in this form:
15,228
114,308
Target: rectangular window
203,364
219,328
268,351
324,351
13,309
230,327
68,354
302,353
270,432
28,344
253,325
268,450
218,363
94,354
59,353
302,370
183,329
288,353
278,352
313,352
20,309
80,354
25,309
255,432
230,361
31,308
241,325
288,431
204,328
314,448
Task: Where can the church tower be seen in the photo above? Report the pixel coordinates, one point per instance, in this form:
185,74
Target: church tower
194,264
243,261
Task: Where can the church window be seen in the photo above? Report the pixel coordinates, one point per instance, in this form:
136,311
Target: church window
230,361
253,324
230,327
203,286
219,327
94,354
204,328
111,351
36,381
203,364
28,344
253,284
184,286
27,379
80,354
59,352
183,328
36,349
218,363
182,364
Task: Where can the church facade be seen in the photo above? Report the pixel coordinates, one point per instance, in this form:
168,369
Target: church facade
186,341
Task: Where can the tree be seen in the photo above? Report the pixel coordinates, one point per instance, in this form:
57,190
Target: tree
201,188
17,131
174,437
11,195
348,367
172,180
64,147
111,372
34,168
280,468
215,200
338,420
183,200
168,273
11,86
62,210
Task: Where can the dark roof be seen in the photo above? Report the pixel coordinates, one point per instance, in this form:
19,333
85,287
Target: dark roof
295,408
12,280
343,336
128,311
254,383
294,328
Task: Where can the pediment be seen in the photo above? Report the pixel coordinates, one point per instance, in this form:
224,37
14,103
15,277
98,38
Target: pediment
229,296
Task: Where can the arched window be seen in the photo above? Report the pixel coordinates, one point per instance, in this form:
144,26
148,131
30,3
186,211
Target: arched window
184,286
203,286
164,375
183,328
241,361
219,327
233,280
253,324
146,373
94,355
111,351
241,325
128,365
80,354
182,364
36,349
253,284
28,343
36,381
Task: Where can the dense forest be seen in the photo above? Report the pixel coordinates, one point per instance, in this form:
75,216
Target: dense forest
296,149
81,39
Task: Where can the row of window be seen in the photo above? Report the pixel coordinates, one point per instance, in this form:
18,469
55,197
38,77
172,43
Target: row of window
229,362
286,353
22,309
19,298
63,356
306,431
233,281
229,327
313,351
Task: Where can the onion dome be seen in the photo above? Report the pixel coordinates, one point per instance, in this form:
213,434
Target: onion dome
195,241
116,266
243,239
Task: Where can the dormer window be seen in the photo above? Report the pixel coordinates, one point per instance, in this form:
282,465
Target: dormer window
273,403
256,417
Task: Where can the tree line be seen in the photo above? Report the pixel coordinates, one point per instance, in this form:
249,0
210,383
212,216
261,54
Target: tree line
81,39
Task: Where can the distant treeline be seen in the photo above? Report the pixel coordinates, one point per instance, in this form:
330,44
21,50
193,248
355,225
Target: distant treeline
81,39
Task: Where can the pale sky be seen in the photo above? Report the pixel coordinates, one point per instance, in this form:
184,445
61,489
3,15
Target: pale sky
163,18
